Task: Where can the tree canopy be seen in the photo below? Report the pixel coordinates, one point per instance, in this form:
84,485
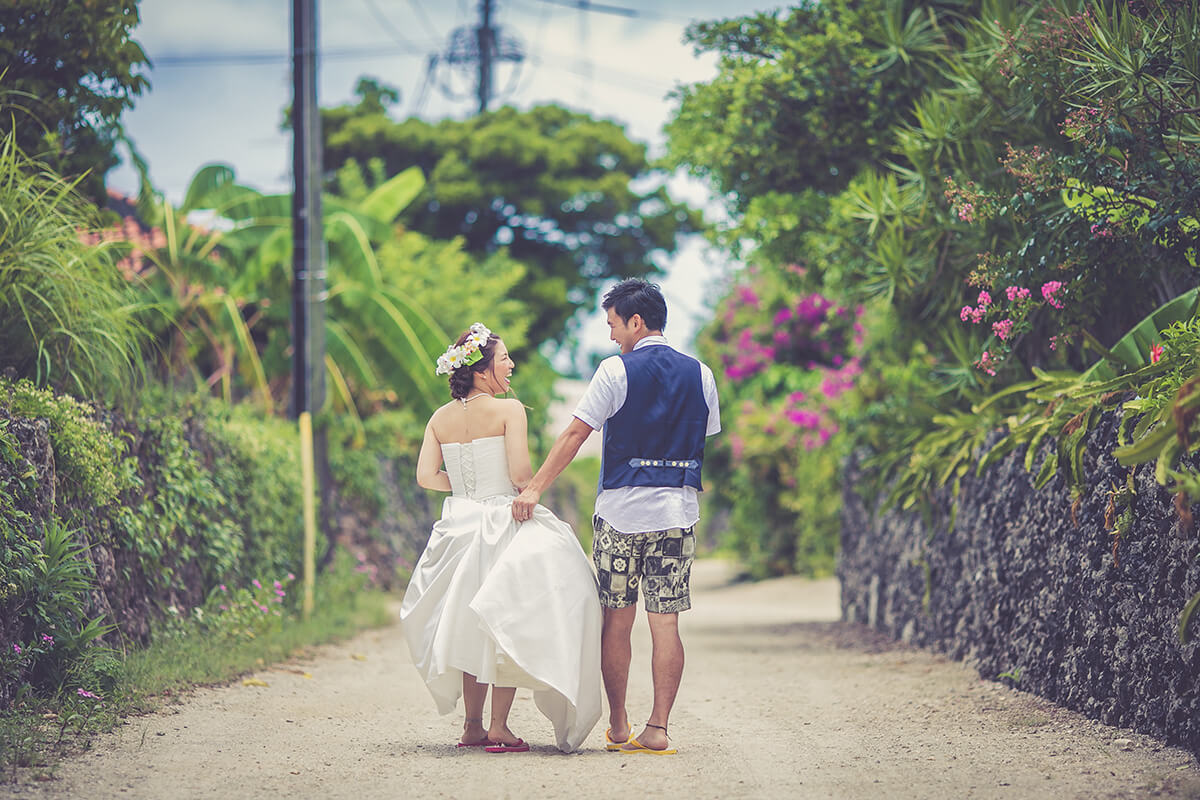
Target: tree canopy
568,196
1005,188
69,69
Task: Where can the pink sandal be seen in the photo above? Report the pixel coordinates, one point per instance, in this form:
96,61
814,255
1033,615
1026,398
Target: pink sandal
519,746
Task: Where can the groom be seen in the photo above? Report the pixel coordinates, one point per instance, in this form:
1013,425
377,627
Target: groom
656,406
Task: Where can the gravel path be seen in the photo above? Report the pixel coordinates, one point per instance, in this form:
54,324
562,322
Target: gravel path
779,699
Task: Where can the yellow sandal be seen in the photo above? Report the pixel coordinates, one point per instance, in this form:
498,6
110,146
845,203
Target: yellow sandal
612,744
638,747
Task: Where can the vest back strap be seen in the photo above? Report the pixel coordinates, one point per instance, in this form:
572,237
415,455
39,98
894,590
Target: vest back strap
663,462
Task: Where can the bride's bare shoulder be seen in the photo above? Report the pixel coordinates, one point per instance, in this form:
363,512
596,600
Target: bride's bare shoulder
443,413
512,405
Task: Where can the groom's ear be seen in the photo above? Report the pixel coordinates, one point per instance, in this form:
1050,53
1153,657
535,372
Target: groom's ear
636,322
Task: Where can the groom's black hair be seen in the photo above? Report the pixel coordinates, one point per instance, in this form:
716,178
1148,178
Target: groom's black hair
636,296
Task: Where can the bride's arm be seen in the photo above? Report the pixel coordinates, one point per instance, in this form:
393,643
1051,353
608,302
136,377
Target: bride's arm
430,474
516,445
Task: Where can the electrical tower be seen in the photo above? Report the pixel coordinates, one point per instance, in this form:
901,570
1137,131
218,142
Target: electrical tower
477,52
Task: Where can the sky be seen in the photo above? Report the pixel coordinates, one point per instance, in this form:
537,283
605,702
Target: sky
221,77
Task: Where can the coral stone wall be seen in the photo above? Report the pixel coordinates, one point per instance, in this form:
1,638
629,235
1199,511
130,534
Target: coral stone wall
1018,586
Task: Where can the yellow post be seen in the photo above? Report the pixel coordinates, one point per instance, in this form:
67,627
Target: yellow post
308,483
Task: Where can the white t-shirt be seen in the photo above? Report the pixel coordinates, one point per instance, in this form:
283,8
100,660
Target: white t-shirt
634,509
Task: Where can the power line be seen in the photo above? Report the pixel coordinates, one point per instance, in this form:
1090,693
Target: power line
420,11
619,11
587,5
617,79
268,58
630,79
382,19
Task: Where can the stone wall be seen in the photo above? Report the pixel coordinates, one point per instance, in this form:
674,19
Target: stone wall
1022,585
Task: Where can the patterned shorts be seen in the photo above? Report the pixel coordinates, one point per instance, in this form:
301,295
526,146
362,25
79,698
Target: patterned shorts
660,561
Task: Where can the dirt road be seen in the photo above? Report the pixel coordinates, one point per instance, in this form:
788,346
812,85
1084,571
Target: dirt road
778,700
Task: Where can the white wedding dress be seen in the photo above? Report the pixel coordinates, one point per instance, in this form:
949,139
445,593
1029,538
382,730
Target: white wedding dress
514,604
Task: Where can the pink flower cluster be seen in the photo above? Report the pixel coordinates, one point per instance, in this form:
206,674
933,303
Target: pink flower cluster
817,424
975,315
1052,293
751,357
838,381
1049,290
748,296
987,363
808,332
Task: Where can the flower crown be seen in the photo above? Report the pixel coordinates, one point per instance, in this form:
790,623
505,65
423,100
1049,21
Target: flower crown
461,355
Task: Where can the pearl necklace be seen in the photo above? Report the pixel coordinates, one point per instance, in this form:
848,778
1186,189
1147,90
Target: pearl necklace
466,400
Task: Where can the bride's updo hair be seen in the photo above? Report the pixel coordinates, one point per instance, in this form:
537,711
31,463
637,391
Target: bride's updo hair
462,380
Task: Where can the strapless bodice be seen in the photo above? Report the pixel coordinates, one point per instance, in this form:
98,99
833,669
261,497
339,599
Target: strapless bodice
478,468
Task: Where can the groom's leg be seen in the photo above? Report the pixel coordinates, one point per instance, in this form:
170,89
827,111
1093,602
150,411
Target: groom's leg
617,559
615,654
666,577
666,667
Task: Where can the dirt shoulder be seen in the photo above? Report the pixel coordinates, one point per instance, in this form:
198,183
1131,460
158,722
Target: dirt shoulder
778,699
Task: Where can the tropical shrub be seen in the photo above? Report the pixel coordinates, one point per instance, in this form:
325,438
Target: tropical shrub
787,358
1021,197
67,319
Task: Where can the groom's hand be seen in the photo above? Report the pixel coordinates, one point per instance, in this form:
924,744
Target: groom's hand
522,507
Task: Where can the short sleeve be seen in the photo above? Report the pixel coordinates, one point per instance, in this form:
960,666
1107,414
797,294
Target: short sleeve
709,385
605,394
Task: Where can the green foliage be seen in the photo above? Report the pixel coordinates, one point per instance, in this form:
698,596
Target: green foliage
70,70
857,146
804,97
231,634
218,488
225,296
48,636
355,456
788,358
67,319
89,459
555,189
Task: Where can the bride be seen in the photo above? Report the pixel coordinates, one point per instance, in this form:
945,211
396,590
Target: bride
491,600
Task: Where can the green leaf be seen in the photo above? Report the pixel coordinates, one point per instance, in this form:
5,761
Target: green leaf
1146,448
1186,617
1133,349
394,195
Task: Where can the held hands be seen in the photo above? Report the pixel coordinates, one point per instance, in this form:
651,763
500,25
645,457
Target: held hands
522,507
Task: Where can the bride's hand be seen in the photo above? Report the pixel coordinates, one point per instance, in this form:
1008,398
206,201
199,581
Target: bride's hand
522,507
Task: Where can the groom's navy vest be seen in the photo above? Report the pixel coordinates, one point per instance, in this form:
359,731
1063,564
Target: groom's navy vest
657,437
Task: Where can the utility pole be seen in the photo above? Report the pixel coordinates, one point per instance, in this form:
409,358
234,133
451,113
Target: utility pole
486,39
308,268
476,53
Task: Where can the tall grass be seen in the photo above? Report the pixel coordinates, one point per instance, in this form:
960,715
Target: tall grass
67,317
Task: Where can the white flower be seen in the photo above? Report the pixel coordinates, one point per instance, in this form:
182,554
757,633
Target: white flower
467,353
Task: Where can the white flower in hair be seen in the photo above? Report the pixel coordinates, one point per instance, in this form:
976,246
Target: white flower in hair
468,352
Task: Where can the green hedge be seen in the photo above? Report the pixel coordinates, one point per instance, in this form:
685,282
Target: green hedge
108,521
